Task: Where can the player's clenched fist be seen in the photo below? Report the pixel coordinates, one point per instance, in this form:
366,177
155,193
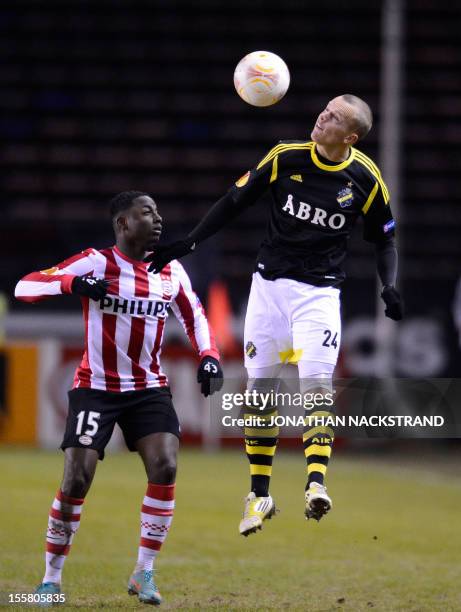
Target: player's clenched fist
393,301
209,369
88,286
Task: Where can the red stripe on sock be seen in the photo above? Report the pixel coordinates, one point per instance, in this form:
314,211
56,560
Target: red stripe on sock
57,549
156,511
75,501
152,544
163,492
64,516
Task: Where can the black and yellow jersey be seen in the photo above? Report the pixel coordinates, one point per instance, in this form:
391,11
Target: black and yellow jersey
315,204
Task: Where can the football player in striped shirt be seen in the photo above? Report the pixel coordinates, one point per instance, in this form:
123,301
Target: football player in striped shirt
120,379
319,189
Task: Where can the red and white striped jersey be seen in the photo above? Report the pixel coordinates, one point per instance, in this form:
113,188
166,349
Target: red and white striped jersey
124,330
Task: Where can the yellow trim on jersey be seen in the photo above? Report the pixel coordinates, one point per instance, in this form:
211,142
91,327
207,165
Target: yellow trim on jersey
281,148
275,165
371,197
365,161
261,450
373,168
329,168
369,161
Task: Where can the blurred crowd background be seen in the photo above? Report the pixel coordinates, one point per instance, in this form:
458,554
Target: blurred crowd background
104,96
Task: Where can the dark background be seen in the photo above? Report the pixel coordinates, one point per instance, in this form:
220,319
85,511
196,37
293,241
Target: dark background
100,97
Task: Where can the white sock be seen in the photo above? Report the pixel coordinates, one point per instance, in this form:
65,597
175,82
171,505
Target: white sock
63,522
156,517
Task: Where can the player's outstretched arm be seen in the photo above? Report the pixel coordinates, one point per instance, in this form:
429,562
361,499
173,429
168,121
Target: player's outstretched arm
244,193
386,260
74,275
221,213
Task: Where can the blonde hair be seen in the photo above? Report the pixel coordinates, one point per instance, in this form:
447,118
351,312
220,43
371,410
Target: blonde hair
363,119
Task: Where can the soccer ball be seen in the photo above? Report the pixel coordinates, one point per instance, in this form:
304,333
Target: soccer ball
261,78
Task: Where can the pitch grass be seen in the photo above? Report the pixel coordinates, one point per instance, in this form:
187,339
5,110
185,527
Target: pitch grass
392,541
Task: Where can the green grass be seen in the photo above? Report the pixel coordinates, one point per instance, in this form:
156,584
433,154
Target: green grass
391,542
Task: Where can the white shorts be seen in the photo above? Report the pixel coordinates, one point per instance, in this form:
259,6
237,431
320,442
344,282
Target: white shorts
290,322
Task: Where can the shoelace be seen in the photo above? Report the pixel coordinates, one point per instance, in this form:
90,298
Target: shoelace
148,575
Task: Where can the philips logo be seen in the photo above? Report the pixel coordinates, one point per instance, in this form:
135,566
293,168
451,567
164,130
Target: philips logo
134,307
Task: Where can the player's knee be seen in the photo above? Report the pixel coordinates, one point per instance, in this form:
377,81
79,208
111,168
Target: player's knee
79,468
315,377
162,469
77,483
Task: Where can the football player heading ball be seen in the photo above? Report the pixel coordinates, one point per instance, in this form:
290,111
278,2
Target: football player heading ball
319,190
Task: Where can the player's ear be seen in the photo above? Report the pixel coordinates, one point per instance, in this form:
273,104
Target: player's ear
121,223
351,139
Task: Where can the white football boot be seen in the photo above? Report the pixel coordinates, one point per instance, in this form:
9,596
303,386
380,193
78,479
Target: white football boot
257,510
318,502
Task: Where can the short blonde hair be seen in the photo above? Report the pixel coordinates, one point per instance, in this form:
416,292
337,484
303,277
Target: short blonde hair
363,118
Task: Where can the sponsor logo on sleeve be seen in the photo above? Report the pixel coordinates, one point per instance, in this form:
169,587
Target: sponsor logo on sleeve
50,271
389,226
243,180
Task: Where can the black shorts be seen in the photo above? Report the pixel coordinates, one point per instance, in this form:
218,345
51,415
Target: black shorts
92,416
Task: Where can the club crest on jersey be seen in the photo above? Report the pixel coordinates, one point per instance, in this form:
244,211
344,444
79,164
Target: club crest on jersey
250,350
243,180
345,196
167,287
